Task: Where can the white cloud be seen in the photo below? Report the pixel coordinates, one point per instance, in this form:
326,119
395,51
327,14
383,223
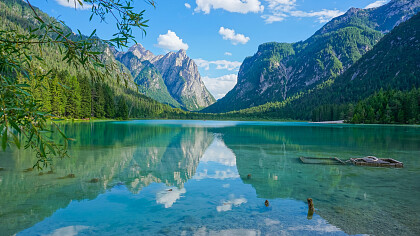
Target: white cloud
228,54
281,9
187,5
220,64
323,16
243,232
281,5
170,41
227,205
270,222
274,18
217,151
229,34
238,6
69,230
74,4
320,226
220,86
218,174
168,198
226,186
377,4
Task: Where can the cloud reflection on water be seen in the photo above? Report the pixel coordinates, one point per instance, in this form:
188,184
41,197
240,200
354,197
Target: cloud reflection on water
168,197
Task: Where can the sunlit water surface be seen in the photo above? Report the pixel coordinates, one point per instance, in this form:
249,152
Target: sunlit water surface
190,178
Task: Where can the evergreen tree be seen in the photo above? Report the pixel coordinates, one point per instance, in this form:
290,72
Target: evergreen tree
122,110
73,98
98,101
109,106
86,97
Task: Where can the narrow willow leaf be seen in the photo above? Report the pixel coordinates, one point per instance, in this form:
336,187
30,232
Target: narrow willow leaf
4,140
16,141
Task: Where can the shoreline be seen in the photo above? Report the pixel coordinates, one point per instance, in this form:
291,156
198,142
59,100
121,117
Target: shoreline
339,122
328,122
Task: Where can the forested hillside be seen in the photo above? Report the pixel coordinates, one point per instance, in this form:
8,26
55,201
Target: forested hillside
281,71
74,92
391,67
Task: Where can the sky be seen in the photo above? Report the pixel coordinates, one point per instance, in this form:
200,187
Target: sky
217,34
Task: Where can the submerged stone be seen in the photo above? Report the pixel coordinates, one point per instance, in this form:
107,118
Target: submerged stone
94,180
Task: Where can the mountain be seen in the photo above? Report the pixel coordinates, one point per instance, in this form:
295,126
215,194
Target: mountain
146,77
279,71
393,63
172,78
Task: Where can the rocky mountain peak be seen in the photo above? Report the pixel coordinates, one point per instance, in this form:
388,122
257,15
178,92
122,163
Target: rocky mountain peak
141,53
182,53
176,70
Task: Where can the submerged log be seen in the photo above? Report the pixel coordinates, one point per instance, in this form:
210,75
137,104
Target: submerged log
377,162
311,208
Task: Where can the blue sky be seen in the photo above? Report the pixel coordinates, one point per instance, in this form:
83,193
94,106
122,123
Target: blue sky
217,34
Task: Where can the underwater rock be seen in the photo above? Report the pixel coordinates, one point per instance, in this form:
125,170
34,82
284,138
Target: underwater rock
94,180
68,176
41,173
2,168
28,170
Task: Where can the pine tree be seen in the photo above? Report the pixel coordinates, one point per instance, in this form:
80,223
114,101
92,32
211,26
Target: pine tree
98,101
86,97
73,98
109,102
122,110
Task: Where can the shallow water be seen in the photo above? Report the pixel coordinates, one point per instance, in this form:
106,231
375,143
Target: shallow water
190,178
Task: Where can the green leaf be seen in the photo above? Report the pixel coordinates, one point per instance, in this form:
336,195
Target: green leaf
42,149
51,148
4,140
15,126
16,140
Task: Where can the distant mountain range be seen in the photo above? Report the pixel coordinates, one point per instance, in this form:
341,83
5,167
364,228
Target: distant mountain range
280,71
172,78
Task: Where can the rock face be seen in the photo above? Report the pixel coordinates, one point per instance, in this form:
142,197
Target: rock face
172,78
279,71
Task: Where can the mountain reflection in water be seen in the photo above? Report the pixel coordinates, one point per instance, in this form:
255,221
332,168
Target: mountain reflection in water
175,177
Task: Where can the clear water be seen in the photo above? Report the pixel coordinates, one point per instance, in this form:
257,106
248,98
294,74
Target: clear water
190,178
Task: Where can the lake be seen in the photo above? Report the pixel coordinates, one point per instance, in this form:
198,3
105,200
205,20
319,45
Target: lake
191,178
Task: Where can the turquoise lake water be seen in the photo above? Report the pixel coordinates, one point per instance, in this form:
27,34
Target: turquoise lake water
190,178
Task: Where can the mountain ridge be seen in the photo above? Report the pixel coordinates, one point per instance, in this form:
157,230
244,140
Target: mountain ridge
392,64
281,70
179,73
